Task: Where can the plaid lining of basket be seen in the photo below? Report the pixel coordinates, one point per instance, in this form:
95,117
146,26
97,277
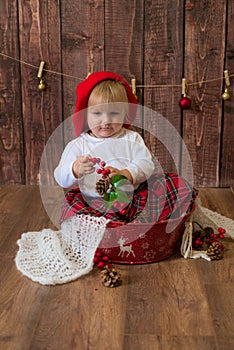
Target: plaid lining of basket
162,197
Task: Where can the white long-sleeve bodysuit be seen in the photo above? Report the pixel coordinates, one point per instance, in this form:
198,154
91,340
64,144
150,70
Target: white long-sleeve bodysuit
126,150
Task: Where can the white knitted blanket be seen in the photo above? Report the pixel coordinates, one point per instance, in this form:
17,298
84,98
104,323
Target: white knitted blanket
55,257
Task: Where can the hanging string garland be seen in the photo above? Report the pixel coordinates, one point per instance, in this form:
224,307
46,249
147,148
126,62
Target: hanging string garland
184,102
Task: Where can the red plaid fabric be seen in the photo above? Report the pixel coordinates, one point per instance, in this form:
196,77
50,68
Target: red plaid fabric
170,197
163,196
75,203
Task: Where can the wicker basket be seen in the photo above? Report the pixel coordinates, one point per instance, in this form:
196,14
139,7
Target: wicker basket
140,243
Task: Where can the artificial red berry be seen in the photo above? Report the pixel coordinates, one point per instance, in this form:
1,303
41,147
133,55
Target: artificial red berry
99,171
93,160
103,163
105,258
107,171
215,236
221,235
95,259
98,160
221,230
199,241
101,264
207,240
98,254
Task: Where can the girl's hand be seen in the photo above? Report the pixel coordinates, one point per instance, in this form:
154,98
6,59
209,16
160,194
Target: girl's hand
115,171
83,166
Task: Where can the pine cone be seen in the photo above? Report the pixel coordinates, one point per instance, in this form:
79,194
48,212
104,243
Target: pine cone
215,251
111,278
102,186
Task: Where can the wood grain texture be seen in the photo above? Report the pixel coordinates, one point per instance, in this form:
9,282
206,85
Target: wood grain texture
163,63
124,47
173,304
124,38
168,288
156,42
205,24
11,137
227,158
82,48
39,24
154,342
85,323
222,308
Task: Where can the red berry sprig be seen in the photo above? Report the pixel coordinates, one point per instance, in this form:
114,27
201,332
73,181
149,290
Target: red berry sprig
113,196
204,237
110,277
222,232
101,169
101,260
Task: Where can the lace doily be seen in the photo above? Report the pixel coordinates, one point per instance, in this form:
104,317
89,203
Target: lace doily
205,217
54,257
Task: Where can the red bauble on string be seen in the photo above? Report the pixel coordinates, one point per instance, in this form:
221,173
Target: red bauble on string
185,103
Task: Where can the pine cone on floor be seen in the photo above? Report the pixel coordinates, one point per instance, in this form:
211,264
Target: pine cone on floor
215,251
102,186
111,277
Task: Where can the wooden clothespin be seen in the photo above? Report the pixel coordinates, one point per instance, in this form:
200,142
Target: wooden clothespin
41,85
227,78
133,86
184,87
226,95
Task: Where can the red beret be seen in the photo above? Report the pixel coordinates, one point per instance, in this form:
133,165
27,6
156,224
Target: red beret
84,90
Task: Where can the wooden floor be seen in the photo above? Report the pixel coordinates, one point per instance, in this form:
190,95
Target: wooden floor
174,304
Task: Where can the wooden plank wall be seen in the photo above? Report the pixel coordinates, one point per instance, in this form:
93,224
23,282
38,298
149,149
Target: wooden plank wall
157,42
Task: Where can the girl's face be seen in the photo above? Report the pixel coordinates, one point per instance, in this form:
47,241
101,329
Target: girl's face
106,120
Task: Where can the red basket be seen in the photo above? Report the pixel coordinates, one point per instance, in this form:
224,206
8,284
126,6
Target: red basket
141,243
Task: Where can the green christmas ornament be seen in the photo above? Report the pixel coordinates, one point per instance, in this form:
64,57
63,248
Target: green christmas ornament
111,188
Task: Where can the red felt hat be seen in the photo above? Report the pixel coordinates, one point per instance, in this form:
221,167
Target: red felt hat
84,90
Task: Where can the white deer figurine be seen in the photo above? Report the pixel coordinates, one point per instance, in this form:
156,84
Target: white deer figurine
126,248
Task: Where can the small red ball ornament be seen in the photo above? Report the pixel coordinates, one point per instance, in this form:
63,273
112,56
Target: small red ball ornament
185,103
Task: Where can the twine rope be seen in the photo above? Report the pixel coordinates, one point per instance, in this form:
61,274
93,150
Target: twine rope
139,86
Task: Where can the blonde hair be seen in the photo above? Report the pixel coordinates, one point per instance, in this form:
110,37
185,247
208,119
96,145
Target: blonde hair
108,91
